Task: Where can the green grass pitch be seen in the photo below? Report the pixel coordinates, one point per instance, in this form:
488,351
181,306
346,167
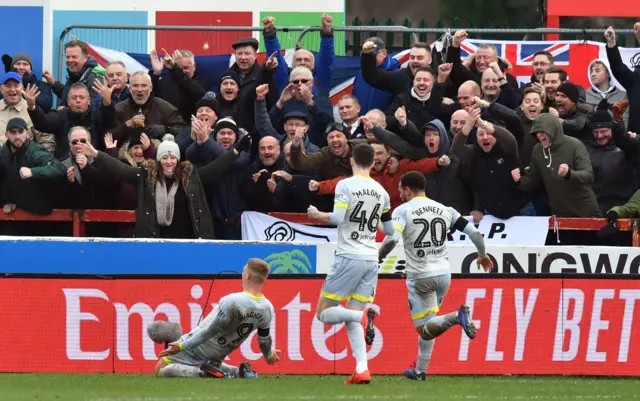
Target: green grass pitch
102,387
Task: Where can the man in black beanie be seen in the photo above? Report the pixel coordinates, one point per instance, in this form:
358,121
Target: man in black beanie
575,119
23,65
207,114
612,153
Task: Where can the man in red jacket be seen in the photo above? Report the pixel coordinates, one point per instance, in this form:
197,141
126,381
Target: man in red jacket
387,171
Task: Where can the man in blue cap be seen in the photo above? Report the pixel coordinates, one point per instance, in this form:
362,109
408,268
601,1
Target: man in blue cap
12,104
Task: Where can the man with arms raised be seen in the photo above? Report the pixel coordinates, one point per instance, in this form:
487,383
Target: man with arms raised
201,353
360,205
423,224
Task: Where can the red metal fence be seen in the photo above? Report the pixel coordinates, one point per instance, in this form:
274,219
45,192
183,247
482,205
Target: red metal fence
80,218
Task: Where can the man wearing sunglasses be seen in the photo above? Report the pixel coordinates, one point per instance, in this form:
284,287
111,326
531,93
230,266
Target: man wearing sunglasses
298,97
86,187
322,68
24,168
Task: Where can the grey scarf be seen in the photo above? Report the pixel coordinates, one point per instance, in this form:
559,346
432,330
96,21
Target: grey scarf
71,161
165,201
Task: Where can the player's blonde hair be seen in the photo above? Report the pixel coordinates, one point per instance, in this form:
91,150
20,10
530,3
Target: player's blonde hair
259,269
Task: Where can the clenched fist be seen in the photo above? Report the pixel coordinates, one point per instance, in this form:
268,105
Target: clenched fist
610,36
563,170
443,72
515,174
314,186
401,116
444,161
368,47
261,91
268,23
459,37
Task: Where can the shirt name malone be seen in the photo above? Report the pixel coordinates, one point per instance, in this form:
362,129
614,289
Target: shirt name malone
367,192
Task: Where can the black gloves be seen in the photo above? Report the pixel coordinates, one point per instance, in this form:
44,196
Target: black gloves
610,229
8,62
243,144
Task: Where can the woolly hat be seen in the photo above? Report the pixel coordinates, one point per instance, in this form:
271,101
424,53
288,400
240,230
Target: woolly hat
22,56
134,134
168,147
226,122
601,118
230,74
569,90
208,100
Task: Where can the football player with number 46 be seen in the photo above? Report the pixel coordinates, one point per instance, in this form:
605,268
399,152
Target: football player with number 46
360,205
423,225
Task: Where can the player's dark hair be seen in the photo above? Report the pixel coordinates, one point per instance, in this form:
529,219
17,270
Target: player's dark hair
413,180
363,155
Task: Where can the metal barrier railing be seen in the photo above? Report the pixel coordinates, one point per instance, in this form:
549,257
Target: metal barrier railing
303,30
80,218
298,45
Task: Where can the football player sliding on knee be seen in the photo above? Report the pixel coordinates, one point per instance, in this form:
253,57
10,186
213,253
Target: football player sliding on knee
423,225
201,353
360,205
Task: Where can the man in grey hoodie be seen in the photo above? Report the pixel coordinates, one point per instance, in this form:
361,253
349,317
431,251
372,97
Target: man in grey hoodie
604,87
450,185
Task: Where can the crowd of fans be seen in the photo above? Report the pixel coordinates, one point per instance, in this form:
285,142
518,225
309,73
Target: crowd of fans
191,156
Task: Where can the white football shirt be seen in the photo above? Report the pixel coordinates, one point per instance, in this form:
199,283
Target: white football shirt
424,225
365,201
243,313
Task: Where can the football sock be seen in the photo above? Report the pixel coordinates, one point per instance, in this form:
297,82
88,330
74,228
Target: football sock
425,348
338,314
440,324
230,370
179,370
356,339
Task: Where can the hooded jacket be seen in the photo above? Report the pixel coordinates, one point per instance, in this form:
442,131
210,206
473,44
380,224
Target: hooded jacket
571,195
447,185
87,75
613,95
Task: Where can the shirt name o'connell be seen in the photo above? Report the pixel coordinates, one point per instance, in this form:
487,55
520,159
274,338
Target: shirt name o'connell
427,209
367,192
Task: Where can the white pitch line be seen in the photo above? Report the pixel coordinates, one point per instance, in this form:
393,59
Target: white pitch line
362,397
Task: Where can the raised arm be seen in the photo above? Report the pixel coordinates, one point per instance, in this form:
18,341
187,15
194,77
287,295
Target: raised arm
398,144
263,123
216,168
117,169
47,165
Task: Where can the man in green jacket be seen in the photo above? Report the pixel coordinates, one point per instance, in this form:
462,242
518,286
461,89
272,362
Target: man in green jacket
25,166
561,163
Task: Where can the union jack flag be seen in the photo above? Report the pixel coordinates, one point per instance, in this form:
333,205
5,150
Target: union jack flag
572,56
